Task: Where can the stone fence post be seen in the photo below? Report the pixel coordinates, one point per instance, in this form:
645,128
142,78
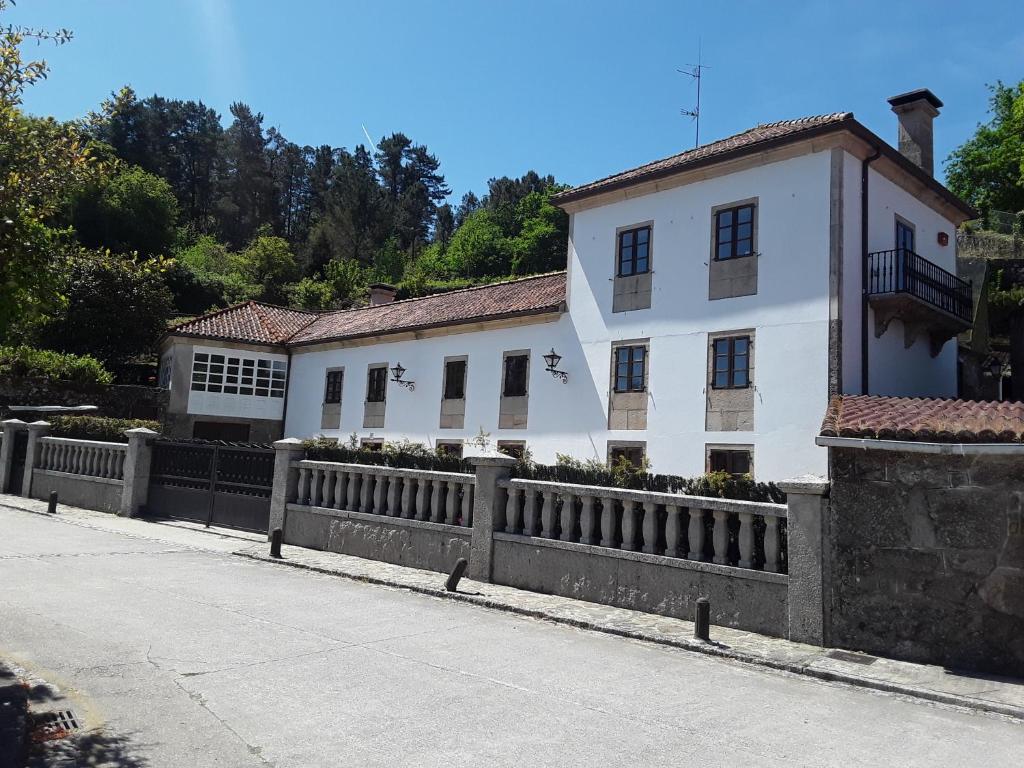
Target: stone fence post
488,511
36,431
10,427
285,452
137,461
807,526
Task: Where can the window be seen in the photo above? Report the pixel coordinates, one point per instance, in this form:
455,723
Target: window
200,371
629,368
516,368
634,454
514,448
332,388
734,462
904,235
634,251
450,449
371,444
731,363
455,380
376,384
238,375
734,232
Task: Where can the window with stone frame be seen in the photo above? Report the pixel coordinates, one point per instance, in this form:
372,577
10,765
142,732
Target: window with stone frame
514,448
372,444
735,462
516,373
455,380
630,368
451,448
734,232
333,386
731,363
634,454
634,252
376,384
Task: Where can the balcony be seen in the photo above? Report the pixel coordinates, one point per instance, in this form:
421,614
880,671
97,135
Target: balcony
924,296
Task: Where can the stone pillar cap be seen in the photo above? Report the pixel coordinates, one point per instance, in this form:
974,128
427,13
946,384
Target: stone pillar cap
140,431
288,442
490,457
810,484
39,424
12,422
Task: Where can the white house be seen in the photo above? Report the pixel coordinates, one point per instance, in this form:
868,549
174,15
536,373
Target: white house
712,304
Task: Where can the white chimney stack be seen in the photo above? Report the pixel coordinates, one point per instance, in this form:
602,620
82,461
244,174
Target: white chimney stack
916,110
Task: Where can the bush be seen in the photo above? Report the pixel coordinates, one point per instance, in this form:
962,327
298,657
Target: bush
97,427
403,455
47,364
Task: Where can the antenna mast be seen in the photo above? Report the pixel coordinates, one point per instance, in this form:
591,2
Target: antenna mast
695,71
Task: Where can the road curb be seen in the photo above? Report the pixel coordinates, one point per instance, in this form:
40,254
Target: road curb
686,644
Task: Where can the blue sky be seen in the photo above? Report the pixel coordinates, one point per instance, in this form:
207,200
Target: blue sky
577,89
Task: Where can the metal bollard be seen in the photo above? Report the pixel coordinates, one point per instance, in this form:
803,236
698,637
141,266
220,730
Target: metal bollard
702,619
51,507
452,585
275,543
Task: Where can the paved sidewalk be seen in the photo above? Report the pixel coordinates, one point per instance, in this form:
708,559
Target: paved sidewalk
978,692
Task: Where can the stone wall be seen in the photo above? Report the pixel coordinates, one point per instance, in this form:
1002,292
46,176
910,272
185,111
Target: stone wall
925,557
123,401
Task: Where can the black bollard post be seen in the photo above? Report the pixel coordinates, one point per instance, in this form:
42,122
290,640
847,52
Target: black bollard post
51,507
275,543
452,585
702,619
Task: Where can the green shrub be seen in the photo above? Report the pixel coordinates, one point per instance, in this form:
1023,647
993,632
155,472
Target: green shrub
97,427
403,455
47,364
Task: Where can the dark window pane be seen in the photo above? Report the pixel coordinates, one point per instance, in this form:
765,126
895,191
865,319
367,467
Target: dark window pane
743,231
333,388
745,214
725,218
455,380
724,251
739,379
515,376
643,235
741,346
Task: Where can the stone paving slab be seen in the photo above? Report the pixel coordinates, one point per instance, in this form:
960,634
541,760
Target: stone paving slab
1004,696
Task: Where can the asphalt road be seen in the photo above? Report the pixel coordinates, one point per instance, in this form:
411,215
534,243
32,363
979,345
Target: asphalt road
179,657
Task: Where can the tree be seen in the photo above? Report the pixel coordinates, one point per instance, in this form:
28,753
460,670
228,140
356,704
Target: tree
134,211
310,293
247,199
479,248
40,162
412,187
988,169
469,203
269,264
355,222
116,308
542,242
444,225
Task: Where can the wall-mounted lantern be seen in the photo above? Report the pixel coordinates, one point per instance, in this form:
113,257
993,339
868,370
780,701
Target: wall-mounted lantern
397,373
552,358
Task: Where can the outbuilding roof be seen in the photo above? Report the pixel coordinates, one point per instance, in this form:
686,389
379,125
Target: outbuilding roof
257,323
923,420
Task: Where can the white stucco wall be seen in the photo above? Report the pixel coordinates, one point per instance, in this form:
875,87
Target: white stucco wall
789,316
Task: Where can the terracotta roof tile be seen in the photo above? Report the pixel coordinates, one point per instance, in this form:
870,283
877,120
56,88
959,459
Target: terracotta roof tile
251,322
924,420
747,140
516,297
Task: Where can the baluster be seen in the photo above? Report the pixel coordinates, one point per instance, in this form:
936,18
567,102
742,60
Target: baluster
392,498
380,488
94,461
327,498
110,457
771,543
436,512
339,489
303,494
316,484
608,522
629,514
449,502
65,457
407,510
746,540
43,455
587,520
672,513
467,505
567,523
56,456
650,527
364,492
695,533
352,491
422,486
530,513
720,539
547,516
512,510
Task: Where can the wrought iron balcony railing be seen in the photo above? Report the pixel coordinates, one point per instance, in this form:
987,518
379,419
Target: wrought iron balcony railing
903,271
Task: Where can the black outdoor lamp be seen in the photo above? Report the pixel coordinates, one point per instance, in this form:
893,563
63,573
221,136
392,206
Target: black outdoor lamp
552,358
397,373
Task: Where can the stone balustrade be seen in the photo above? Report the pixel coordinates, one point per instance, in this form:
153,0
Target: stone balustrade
437,497
743,534
89,458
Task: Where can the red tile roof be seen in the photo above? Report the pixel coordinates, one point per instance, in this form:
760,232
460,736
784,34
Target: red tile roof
257,323
758,139
251,322
924,420
528,296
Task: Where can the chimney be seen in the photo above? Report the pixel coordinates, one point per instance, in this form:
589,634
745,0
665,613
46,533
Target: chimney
381,293
916,110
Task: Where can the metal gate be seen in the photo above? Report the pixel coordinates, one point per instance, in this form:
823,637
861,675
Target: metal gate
18,458
212,482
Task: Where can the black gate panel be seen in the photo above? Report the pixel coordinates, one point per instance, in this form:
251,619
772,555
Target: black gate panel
18,459
213,483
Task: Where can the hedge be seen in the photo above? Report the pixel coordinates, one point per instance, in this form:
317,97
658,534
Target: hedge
47,364
97,427
403,455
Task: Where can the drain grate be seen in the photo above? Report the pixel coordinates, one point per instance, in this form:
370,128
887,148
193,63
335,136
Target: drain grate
48,726
856,658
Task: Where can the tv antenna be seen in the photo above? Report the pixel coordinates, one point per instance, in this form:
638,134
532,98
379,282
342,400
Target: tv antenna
695,71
